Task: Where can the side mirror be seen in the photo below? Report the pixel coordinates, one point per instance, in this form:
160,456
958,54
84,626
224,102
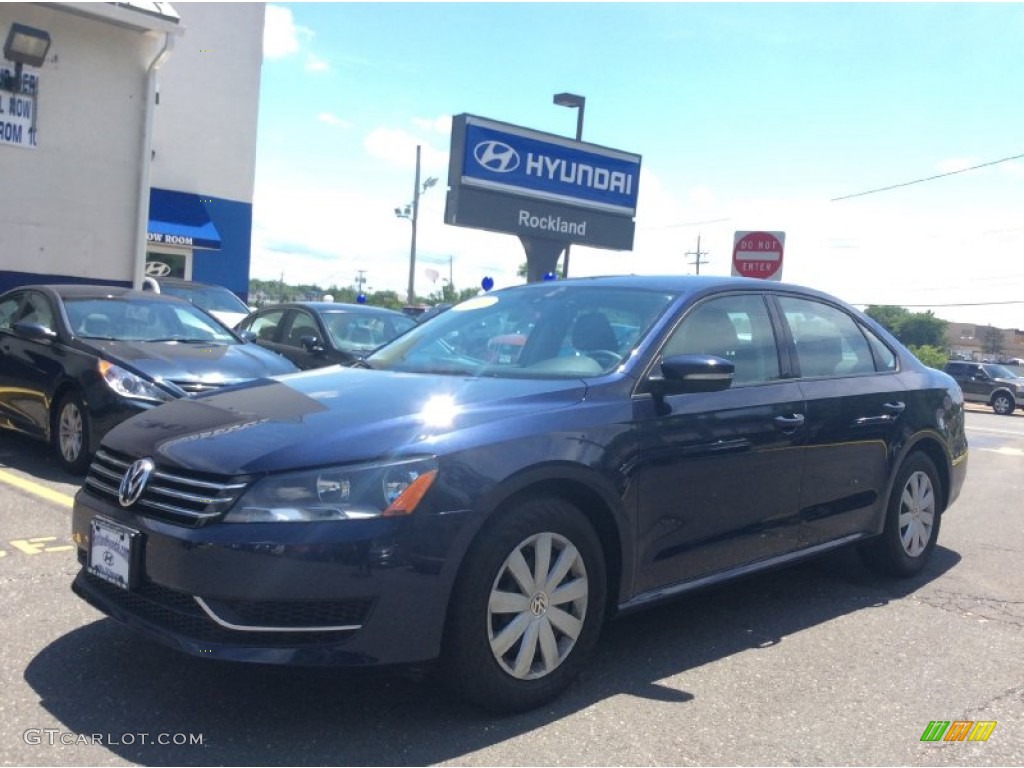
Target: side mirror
686,374
312,344
34,331
247,336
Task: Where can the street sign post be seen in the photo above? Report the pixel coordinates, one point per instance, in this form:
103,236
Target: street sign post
758,254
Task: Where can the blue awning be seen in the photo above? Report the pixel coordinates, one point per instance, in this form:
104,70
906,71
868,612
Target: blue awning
180,218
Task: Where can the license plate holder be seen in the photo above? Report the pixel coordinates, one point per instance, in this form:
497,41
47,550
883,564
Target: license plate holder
114,552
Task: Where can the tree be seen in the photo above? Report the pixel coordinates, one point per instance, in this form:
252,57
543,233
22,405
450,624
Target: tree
917,329
992,341
933,357
888,316
921,329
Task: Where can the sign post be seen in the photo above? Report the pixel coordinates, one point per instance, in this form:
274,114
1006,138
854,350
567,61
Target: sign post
758,254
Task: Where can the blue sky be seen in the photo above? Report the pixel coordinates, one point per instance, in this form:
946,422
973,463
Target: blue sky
751,116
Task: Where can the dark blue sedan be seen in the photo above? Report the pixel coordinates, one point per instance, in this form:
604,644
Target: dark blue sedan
75,360
649,436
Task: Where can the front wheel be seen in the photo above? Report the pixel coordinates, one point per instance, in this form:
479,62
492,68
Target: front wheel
1003,403
911,522
71,433
527,609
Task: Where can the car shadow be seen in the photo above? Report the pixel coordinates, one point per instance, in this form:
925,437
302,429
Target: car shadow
35,458
104,679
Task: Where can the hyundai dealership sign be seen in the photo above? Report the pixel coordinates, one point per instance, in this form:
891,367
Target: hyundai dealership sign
511,179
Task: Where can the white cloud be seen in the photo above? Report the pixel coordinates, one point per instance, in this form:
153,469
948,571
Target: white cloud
954,164
281,36
332,119
397,148
441,125
316,64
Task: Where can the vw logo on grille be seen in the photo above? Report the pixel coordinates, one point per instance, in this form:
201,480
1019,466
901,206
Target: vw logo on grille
496,156
134,481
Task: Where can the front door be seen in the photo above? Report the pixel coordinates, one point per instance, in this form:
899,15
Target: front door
720,472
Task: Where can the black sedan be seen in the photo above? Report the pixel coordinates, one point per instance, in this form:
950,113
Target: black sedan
313,334
75,360
649,436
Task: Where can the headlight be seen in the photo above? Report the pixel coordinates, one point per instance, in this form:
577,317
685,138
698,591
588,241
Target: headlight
127,384
357,492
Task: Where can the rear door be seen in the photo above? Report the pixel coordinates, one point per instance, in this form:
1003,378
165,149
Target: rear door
855,402
29,368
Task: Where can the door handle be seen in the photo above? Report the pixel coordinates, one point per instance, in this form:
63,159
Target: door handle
789,424
892,412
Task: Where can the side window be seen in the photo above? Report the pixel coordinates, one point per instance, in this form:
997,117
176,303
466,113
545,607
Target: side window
7,309
264,325
37,310
885,360
736,328
303,324
828,341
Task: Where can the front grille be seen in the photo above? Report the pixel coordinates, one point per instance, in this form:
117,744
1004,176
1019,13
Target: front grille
185,499
179,613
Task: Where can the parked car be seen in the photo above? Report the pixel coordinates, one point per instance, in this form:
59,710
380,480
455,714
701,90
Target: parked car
75,360
215,299
492,511
313,334
989,383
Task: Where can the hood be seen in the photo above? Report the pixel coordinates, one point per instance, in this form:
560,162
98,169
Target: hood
329,415
185,363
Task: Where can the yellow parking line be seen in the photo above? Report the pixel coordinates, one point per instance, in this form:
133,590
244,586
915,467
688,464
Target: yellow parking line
34,488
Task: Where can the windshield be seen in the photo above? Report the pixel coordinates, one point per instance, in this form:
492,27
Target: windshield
212,298
558,331
142,319
356,332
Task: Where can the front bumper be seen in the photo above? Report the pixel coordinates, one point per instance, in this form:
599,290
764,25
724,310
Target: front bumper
347,593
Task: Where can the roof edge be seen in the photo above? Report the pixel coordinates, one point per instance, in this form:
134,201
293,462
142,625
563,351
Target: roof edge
140,17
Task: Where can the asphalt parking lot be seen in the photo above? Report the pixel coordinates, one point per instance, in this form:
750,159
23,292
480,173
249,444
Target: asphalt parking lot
822,663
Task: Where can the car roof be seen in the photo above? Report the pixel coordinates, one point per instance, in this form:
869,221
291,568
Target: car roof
332,306
83,291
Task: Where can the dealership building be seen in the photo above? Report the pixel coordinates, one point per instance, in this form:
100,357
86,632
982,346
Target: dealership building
128,141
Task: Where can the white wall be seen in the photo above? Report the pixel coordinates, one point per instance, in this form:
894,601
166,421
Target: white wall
205,131
70,205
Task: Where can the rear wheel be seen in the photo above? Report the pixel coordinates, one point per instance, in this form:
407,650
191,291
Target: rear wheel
71,433
1003,403
911,523
527,609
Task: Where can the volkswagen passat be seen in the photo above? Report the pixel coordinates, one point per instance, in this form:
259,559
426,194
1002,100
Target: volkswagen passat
77,359
650,436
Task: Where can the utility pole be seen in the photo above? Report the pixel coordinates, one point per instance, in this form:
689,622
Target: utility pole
360,280
697,254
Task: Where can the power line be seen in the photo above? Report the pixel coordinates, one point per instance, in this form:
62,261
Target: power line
958,304
929,178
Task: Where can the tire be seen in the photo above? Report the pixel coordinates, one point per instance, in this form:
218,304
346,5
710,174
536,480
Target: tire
912,521
1003,403
513,644
71,433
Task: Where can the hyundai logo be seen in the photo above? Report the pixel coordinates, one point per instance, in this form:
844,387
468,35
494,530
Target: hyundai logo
134,481
496,156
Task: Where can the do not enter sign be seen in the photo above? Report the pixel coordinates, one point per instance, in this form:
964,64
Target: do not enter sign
758,254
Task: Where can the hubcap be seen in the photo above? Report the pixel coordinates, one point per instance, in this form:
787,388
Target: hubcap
69,433
537,606
917,514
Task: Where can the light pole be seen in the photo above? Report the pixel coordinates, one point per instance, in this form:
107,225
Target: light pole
578,103
411,212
